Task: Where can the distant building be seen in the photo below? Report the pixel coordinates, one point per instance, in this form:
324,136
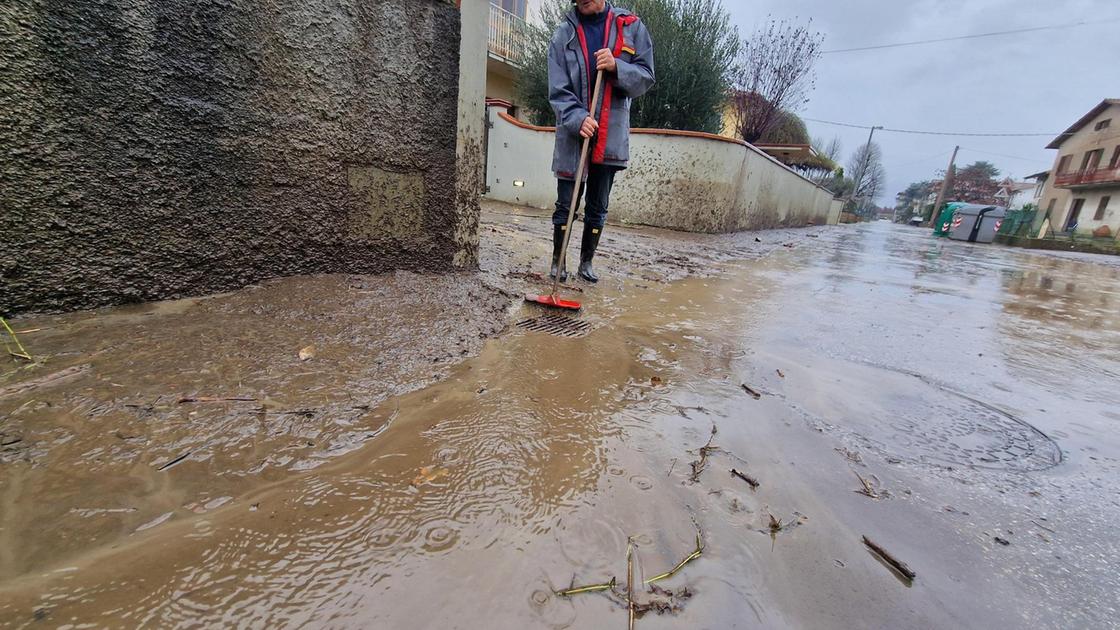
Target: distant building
1014,195
505,45
1082,192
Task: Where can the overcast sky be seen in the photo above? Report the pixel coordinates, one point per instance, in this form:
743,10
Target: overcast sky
1034,82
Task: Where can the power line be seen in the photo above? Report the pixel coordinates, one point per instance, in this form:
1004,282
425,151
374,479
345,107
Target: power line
925,159
1013,157
938,133
977,36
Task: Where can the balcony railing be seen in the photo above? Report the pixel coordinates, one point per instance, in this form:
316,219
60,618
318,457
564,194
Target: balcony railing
1089,177
507,35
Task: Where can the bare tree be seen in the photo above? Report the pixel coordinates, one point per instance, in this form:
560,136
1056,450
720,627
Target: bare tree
774,74
865,167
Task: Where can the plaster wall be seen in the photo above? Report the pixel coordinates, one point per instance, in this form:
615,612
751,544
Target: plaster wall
679,180
158,149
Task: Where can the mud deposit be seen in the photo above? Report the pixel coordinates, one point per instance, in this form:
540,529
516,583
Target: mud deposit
964,391
139,414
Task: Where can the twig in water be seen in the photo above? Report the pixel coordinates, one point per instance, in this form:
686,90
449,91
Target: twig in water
21,352
204,399
699,465
747,478
671,466
775,524
747,388
689,558
630,581
867,489
174,461
586,589
897,564
1043,527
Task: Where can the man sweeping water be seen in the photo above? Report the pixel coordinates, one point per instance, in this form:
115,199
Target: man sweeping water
594,36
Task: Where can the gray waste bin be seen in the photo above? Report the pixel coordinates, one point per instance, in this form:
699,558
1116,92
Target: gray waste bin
976,223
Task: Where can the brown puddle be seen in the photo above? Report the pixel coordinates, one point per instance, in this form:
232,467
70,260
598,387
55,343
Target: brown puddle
527,470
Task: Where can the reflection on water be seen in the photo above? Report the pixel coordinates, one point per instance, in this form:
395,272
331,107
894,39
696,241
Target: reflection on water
1059,325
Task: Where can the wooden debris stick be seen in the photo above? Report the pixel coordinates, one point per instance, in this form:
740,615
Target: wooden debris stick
1043,527
630,581
747,388
586,589
867,489
891,560
745,477
699,465
775,524
174,461
680,565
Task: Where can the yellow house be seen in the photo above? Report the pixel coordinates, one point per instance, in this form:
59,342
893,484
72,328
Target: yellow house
1082,193
504,46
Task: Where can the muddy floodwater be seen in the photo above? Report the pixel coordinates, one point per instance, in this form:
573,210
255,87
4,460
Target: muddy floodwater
445,456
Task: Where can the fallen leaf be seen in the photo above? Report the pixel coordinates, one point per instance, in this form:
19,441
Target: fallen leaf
655,380
428,474
308,353
781,374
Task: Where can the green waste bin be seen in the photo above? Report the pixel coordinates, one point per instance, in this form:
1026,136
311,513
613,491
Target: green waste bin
942,226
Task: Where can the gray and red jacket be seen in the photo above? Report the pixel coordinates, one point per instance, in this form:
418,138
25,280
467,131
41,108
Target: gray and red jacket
571,77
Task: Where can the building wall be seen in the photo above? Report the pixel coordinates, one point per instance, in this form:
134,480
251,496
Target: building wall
1084,140
684,181
499,81
470,175
160,149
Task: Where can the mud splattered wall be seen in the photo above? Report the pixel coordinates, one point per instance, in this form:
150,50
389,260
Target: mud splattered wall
157,148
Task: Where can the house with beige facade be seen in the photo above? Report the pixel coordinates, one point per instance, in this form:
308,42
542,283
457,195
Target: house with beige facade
505,46
1081,195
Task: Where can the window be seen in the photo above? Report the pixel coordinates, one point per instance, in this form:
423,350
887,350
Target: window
1050,206
1104,124
1115,161
1092,160
1101,208
1063,164
516,7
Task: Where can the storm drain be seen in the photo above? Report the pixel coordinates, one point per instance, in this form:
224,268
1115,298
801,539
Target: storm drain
558,325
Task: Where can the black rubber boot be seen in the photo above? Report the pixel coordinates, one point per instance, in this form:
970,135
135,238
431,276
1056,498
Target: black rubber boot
587,252
557,244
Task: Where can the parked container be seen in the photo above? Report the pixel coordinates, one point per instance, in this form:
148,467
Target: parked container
976,223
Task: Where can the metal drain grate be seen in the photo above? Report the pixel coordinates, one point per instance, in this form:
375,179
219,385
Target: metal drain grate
558,325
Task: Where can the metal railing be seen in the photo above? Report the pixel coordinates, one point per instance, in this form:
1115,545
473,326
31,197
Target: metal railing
1089,177
507,35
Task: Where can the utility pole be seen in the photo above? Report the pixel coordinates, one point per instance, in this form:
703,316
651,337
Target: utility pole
866,160
945,187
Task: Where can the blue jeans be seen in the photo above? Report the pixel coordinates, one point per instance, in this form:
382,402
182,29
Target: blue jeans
596,193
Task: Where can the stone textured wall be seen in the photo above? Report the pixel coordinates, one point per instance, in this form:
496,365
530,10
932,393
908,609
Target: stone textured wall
158,148
682,181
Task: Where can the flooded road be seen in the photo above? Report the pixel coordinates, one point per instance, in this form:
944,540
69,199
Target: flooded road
970,387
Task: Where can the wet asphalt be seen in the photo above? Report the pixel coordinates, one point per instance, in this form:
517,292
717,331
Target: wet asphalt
966,390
